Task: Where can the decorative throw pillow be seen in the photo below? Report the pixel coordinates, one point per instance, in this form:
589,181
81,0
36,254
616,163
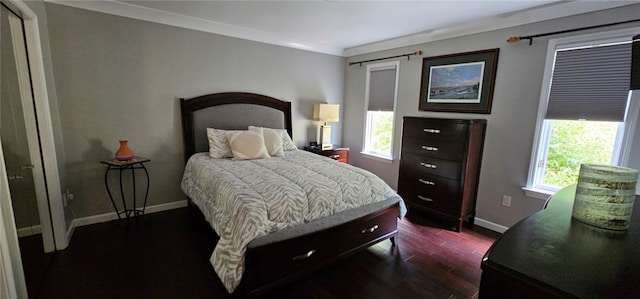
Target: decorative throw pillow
246,145
287,143
218,144
272,140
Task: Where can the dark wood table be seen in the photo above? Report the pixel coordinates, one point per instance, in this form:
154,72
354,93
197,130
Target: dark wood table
551,255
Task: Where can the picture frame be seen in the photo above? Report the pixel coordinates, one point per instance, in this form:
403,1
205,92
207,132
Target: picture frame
461,82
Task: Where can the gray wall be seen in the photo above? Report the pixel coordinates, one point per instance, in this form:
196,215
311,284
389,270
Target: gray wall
511,124
119,78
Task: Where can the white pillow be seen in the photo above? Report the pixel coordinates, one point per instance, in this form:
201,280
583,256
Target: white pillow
287,143
246,145
272,140
218,144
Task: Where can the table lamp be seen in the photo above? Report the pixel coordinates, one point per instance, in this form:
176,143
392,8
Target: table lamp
326,113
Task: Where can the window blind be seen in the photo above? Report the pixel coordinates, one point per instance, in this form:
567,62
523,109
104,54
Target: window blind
382,89
590,83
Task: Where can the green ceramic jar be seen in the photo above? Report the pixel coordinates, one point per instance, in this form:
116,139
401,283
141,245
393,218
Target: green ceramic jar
605,196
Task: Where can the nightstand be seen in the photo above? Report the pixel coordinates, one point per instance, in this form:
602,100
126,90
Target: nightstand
120,166
337,152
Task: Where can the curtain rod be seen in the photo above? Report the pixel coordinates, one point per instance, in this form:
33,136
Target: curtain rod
408,55
515,39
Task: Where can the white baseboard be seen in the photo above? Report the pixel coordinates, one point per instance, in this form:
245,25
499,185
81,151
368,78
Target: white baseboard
113,216
70,231
490,225
29,231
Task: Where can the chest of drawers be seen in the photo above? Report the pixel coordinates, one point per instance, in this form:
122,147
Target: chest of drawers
440,165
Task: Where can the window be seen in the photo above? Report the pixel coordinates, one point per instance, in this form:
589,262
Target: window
587,113
381,92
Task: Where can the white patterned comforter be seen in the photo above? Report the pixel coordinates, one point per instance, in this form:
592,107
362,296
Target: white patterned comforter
243,200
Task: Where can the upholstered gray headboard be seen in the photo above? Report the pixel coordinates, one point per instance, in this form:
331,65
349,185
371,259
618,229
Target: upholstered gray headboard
229,111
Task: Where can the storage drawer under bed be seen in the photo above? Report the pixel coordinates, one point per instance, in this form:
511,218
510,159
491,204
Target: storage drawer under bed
275,263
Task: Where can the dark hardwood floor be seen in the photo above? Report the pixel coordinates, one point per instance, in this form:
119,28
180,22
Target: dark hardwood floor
35,262
166,255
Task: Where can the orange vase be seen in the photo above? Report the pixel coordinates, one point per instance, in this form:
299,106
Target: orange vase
124,152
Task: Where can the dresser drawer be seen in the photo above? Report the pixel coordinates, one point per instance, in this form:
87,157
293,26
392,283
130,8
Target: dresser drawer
436,129
339,155
430,165
450,150
431,192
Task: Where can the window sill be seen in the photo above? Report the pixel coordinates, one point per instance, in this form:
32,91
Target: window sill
537,193
383,159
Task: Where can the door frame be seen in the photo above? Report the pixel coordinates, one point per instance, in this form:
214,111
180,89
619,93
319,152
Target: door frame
29,115
10,259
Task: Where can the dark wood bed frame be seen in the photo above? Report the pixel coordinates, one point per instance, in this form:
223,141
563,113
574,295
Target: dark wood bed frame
273,263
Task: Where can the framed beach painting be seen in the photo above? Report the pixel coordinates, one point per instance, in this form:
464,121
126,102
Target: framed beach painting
461,82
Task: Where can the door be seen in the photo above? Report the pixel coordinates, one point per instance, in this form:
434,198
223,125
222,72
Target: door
13,133
21,150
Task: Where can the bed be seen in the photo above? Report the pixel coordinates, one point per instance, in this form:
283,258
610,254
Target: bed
316,210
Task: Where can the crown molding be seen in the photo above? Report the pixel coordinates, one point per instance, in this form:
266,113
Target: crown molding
537,14
557,9
167,18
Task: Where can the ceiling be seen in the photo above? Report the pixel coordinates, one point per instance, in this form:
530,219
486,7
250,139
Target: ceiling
345,28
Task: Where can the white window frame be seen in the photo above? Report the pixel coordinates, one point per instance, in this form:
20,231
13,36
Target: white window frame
367,122
626,130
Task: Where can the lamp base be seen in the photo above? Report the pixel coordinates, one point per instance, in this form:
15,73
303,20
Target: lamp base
325,137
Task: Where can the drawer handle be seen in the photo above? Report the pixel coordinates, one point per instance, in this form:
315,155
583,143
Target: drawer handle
427,165
430,148
425,198
432,131
427,182
370,230
335,157
304,256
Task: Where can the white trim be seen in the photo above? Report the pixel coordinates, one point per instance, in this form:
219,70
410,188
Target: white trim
4,284
378,67
554,10
542,108
379,158
542,127
129,10
45,127
113,216
29,231
633,112
537,14
70,230
29,116
11,261
490,225
537,193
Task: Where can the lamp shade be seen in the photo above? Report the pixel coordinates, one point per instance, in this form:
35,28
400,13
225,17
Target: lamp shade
326,112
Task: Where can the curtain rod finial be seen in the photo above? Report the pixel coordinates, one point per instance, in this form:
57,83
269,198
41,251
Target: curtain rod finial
514,39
